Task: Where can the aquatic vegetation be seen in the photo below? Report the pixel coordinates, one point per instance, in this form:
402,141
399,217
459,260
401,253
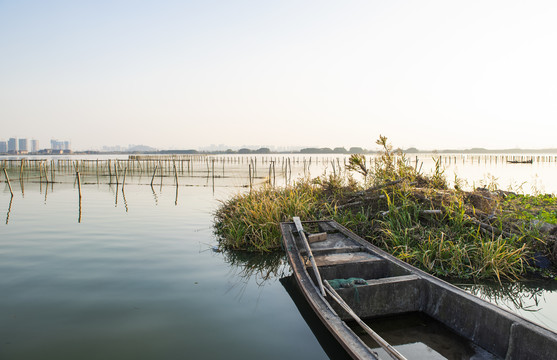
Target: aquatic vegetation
484,233
250,221
530,207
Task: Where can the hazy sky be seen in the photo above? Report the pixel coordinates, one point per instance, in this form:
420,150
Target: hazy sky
186,74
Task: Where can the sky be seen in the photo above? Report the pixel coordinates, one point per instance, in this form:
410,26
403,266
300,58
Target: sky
187,74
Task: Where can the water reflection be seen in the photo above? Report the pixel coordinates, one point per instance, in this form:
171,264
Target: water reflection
418,336
327,341
154,194
124,198
260,268
79,216
9,210
124,179
116,196
526,296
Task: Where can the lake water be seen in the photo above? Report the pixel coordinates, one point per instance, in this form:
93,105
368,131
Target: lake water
135,280
133,274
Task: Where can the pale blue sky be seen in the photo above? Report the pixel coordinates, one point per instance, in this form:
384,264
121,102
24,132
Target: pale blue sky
185,74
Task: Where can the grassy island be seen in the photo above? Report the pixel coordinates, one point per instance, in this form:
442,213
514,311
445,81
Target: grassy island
449,232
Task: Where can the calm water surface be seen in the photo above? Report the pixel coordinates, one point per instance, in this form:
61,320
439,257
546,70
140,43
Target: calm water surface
133,275
135,280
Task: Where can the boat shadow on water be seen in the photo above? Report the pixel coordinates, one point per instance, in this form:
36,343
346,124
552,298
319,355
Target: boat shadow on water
327,341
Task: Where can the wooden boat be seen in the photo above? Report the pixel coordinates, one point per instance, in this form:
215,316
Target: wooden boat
392,287
520,161
328,343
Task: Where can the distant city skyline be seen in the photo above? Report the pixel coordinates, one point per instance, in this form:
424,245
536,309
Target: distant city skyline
171,74
26,145
32,146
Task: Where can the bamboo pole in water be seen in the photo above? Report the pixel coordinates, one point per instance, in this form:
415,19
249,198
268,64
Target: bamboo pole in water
78,184
124,179
154,173
109,173
274,173
249,174
116,173
175,172
45,173
213,176
22,185
8,181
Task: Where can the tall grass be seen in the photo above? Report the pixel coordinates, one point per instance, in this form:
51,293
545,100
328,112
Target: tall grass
448,246
387,209
250,221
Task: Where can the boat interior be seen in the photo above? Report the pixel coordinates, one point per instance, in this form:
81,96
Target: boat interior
394,288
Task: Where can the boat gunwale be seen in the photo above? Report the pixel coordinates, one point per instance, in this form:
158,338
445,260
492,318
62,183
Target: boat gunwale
309,292
328,316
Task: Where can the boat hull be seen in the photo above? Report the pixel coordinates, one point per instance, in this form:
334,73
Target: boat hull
394,287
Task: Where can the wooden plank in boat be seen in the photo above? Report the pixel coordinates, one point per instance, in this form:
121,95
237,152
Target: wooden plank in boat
348,257
334,241
313,238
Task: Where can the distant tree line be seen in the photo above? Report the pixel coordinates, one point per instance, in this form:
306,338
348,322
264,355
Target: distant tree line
337,150
325,150
229,151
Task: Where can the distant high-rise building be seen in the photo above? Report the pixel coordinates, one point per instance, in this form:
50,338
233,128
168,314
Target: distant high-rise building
3,147
60,145
23,145
12,145
34,145
55,144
